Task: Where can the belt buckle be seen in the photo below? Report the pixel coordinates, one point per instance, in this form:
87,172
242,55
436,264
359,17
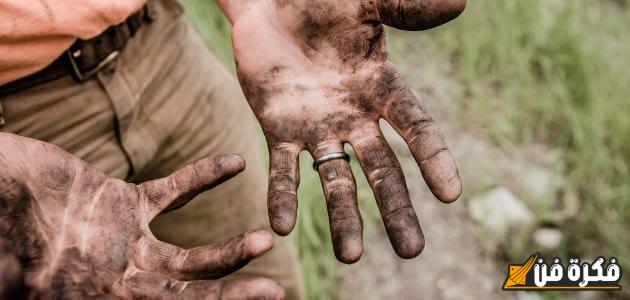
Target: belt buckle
83,76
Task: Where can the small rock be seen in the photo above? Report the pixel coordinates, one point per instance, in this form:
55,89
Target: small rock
540,183
500,210
591,295
528,296
549,238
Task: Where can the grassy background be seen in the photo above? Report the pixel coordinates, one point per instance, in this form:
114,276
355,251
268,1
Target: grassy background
534,72
554,73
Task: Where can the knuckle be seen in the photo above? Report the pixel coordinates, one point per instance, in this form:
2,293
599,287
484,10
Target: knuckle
381,173
425,141
430,156
343,212
421,129
282,181
339,183
398,212
391,195
179,261
286,148
282,201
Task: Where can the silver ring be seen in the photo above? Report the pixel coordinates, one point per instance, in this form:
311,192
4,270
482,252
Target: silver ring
330,156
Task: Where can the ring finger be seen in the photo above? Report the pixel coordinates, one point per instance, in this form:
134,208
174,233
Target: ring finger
340,190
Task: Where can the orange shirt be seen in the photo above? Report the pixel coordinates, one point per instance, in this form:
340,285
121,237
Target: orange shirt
33,33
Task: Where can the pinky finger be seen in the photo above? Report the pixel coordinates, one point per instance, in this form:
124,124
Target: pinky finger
427,145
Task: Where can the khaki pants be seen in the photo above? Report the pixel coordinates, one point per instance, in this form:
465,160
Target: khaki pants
166,102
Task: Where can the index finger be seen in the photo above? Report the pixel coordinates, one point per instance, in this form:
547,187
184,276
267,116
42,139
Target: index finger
179,188
207,262
147,285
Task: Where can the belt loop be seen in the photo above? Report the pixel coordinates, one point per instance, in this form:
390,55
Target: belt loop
2,122
148,12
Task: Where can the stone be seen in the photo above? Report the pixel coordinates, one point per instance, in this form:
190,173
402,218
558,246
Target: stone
540,183
528,296
549,238
499,210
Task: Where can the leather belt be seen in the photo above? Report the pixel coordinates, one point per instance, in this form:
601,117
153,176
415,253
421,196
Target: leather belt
85,57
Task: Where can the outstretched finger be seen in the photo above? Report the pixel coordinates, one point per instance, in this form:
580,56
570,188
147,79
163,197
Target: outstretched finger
340,190
388,183
141,284
284,178
405,113
418,14
179,188
209,262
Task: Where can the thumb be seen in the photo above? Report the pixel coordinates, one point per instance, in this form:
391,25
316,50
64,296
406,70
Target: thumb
419,14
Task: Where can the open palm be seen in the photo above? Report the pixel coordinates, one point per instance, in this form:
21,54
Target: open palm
317,76
79,234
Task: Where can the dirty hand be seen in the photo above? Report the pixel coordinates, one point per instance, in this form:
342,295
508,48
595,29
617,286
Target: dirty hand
317,75
80,234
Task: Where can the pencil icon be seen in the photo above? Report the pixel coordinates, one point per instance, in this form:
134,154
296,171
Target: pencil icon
518,273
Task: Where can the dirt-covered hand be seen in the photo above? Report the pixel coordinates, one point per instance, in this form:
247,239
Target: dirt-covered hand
79,234
317,76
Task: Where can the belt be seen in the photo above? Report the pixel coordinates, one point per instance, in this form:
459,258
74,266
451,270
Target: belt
85,57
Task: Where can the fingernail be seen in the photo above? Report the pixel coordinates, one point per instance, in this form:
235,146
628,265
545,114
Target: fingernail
441,175
349,250
259,242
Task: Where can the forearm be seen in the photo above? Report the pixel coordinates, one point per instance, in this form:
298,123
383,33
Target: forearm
9,153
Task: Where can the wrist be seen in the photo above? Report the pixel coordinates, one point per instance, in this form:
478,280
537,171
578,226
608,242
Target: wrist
9,154
233,9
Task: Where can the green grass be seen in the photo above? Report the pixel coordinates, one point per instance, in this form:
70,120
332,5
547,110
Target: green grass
533,71
213,27
554,73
